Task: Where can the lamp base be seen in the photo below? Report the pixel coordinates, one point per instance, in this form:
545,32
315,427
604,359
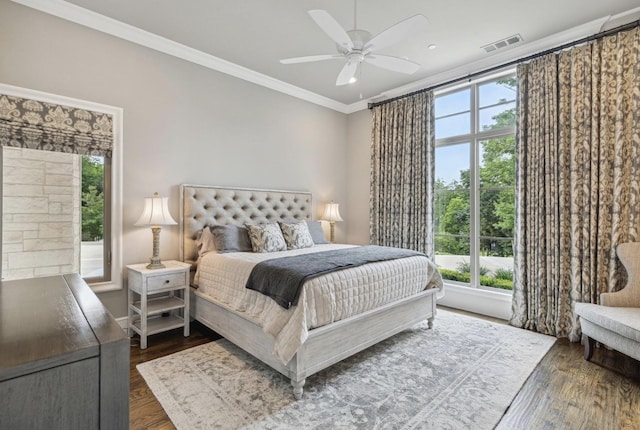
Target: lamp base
155,263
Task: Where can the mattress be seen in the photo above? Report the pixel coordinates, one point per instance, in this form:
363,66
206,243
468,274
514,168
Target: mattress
221,278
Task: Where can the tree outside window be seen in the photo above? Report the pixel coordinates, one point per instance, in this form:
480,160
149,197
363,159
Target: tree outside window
93,202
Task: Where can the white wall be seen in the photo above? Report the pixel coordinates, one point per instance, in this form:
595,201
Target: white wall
182,123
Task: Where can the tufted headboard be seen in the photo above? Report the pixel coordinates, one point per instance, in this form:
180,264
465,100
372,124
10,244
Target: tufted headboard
203,205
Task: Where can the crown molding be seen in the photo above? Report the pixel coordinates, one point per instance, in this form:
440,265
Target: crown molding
357,106
96,21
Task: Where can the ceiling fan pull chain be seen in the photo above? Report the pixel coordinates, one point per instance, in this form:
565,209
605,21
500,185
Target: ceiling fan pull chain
355,14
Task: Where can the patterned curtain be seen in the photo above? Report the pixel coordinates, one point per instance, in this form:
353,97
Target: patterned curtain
33,124
578,179
402,174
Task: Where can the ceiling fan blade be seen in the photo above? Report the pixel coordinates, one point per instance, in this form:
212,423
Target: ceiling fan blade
397,33
332,28
348,71
393,63
311,58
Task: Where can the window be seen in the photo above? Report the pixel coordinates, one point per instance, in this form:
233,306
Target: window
61,211
95,249
475,183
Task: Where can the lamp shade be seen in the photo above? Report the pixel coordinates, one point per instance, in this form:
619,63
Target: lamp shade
156,212
331,213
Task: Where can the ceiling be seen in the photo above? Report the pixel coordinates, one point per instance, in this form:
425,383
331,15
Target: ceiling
256,34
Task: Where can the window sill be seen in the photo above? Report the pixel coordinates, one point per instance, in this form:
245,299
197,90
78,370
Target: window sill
493,303
104,287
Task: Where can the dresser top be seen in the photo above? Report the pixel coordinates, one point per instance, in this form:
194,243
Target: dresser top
41,326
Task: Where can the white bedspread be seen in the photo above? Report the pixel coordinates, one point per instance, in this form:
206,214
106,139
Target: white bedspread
323,300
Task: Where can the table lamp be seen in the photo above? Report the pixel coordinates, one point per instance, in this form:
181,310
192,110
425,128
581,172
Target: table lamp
331,214
155,214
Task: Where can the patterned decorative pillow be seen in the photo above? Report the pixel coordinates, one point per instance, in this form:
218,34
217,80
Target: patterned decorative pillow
266,237
296,235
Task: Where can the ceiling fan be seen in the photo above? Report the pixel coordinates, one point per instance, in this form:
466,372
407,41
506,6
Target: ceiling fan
357,46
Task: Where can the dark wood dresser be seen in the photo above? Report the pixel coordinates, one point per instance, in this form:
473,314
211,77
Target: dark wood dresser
64,360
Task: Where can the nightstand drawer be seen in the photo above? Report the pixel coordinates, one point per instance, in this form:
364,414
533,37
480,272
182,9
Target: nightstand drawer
171,280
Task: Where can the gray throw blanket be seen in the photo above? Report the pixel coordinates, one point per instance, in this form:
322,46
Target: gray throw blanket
282,278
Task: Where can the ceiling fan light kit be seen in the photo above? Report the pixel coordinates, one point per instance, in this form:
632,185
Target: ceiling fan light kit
357,46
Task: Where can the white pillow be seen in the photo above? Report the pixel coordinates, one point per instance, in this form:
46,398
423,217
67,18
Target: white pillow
205,242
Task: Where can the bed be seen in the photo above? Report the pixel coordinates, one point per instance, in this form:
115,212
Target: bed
303,339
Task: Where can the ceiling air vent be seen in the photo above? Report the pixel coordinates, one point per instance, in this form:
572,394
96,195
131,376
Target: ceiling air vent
508,41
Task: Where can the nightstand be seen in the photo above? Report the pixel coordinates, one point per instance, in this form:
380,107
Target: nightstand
158,299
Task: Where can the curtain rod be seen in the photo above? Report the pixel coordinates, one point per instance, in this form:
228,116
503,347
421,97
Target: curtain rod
596,36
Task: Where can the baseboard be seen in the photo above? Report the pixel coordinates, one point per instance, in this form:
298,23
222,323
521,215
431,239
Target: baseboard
483,302
123,322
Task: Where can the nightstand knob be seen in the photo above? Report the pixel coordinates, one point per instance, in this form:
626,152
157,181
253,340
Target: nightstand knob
167,281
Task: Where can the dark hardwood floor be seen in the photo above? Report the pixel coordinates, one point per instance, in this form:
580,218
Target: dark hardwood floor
564,391
567,392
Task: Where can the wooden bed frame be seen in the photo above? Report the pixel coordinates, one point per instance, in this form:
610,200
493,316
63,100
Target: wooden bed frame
326,345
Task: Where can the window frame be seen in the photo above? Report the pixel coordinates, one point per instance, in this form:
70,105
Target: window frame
106,227
115,178
474,139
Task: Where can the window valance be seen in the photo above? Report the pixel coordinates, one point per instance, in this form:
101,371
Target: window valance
26,123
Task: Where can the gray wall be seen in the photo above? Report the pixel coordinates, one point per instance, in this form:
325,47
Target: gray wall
183,123
359,162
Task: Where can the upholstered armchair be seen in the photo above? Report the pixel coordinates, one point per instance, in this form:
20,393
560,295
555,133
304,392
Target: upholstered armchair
616,321
629,296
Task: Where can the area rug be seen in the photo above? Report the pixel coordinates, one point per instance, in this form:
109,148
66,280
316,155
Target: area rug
462,374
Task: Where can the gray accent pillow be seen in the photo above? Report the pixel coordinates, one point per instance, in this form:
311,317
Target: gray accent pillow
266,237
231,238
296,235
317,234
